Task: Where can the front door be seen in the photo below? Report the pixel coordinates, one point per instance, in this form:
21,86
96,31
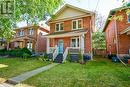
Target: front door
61,46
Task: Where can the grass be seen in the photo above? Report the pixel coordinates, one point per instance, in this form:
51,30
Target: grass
99,73
10,67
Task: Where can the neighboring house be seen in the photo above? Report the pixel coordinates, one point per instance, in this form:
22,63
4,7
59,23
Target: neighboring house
70,30
31,37
118,32
2,43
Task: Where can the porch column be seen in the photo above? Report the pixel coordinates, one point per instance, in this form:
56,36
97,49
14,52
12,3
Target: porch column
82,43
48,45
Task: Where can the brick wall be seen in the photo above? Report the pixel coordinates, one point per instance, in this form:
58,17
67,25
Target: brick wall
68,24
123,40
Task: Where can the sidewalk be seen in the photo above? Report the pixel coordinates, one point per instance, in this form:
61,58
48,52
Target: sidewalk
26,75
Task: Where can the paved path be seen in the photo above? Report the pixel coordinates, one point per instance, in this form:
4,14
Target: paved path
5,85
24,76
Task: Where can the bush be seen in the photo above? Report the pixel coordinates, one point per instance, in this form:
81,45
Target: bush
25,55
69,56
16,52
80,56
3,52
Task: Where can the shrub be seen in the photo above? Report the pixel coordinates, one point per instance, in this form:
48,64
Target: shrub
3,52
26,55
16,52
80,56
69,56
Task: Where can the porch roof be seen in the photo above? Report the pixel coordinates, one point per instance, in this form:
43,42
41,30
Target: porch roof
21,39
125,30
67,33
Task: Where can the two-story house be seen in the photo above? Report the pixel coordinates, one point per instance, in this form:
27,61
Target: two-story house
118,32
70,29
31,37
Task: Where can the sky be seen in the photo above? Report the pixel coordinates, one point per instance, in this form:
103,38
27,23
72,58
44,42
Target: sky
103,7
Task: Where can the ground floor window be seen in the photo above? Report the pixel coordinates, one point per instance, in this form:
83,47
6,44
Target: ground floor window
29,45
75,42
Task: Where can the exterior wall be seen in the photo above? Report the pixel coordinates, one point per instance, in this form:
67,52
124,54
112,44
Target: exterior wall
41,42
66,41
68,27
68,24
110,38
123,40
87,43
37,39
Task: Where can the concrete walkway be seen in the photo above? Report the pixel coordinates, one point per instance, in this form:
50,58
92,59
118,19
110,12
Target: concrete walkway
24,76
6,85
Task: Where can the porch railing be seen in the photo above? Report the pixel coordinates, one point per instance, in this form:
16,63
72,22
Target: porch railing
67,51
55,53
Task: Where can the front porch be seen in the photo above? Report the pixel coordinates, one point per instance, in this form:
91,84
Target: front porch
72,43
22,42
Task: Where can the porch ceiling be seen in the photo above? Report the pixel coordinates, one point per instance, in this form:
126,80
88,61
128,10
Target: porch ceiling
67,33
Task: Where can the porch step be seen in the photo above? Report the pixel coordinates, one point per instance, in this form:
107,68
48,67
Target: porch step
74,51
59,58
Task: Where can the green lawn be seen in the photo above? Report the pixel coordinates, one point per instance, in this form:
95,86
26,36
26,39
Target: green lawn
100,73
10,67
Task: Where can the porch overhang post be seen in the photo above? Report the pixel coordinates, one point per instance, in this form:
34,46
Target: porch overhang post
48,45
82,43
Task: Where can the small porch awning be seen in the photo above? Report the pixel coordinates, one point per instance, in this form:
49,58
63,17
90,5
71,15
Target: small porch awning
21,39
67,33
127,31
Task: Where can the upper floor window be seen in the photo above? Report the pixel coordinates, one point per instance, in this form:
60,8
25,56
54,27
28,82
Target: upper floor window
31,31
128,18
59,26
77,24
21,33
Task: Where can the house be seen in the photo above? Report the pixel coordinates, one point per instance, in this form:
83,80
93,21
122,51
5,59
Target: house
70,31
31,37
118,32
2,43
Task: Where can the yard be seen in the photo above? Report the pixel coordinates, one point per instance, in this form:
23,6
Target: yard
99,73
10,67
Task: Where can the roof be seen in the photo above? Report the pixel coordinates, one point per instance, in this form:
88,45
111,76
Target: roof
32,26
65,33
111,13
71,6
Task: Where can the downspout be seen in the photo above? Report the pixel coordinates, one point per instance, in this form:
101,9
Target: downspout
117,45
91,27
117,48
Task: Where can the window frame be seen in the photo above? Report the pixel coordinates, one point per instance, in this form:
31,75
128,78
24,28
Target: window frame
21,33
77,27
128,18
76,39
59,27
30,31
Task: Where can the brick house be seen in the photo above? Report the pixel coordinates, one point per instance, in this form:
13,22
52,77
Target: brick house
118,32
31,37
70,29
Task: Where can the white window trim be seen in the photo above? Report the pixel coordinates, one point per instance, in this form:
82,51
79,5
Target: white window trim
76,41
23,33
128,18
77,24
30,33
59,27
